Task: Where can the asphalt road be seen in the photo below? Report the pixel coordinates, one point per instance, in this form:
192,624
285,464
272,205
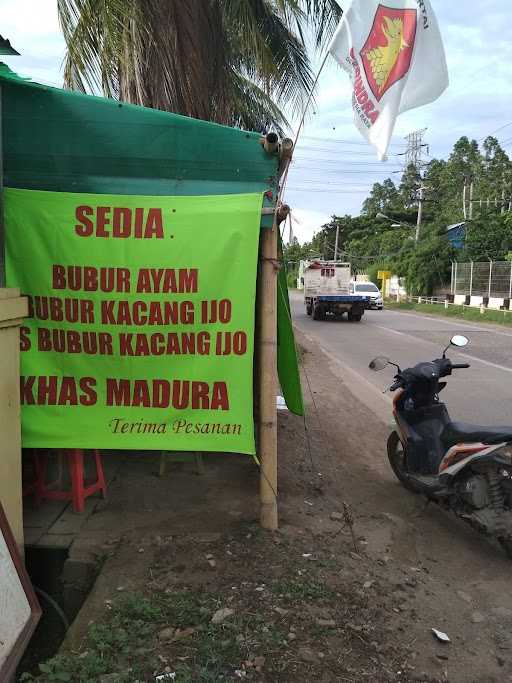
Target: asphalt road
480,395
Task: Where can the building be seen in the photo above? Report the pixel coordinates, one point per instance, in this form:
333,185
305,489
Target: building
456,234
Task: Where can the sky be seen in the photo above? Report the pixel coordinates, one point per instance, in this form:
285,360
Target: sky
333,168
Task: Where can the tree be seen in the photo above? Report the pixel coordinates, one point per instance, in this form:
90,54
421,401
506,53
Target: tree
409,186
371,244
488,237
231,62
382,197
425,265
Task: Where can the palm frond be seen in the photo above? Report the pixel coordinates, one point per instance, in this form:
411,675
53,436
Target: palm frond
254,109
267,51
323,16
229,61
93,31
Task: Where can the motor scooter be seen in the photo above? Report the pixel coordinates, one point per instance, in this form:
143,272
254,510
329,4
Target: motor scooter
463,467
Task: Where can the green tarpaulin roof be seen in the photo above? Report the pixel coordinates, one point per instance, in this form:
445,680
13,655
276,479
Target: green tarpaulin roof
60,140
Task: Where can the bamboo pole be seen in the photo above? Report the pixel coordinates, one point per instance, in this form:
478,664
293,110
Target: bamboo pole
267,350
270,143
267,377
2,226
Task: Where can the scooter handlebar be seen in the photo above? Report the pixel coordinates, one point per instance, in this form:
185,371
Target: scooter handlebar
460,366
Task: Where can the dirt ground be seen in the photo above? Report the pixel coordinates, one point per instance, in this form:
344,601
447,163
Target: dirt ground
192,588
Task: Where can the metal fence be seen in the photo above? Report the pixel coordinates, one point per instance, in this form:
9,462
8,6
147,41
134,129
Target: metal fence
487,278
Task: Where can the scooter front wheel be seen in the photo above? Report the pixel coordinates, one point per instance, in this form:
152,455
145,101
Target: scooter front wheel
396,457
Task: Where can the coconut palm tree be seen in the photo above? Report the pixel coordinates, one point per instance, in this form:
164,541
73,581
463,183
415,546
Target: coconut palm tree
236,62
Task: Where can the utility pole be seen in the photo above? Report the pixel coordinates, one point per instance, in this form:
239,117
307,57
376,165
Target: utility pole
420,212
336,243
413,157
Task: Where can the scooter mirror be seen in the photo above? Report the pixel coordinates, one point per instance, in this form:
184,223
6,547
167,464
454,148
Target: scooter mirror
379,363
459,340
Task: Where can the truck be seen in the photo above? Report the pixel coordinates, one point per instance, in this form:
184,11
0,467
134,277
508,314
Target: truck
327,291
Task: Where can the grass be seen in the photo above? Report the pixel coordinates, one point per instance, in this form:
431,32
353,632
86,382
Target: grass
273,632
461,312
295,589
125,643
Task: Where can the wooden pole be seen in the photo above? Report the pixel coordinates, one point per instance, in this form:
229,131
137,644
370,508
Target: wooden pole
267,377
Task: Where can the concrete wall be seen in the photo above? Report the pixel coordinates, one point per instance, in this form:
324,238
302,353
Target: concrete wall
13,309
495,303
394,288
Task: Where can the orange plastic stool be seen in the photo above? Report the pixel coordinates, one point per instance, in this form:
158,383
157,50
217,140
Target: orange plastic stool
79,489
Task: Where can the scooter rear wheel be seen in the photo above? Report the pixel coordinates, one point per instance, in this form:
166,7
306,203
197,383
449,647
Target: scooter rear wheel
506,544
396,457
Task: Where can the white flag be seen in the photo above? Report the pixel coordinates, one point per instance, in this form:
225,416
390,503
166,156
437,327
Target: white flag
394,55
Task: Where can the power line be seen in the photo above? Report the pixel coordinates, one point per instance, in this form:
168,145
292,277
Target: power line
332,180
415,146
330,161
346,142
316,185
343,160
342,171
316,190
506,125
331,150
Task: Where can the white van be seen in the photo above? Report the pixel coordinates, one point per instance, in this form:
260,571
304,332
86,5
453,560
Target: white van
368,289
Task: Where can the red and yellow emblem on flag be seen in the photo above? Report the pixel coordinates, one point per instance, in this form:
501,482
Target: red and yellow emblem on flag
395,59
387,52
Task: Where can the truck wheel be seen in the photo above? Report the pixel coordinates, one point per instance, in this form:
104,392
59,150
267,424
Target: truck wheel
354,317
309,309
318,313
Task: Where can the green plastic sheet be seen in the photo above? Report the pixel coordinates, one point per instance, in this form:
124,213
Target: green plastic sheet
63,141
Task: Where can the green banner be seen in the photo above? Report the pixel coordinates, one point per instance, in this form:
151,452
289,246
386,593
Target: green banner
141,327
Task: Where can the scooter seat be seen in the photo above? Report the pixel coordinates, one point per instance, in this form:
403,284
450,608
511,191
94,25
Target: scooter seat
459,432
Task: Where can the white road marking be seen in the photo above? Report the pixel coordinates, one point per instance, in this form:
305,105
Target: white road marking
469,325
461,353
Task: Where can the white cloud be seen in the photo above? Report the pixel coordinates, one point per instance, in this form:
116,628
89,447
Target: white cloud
32,26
